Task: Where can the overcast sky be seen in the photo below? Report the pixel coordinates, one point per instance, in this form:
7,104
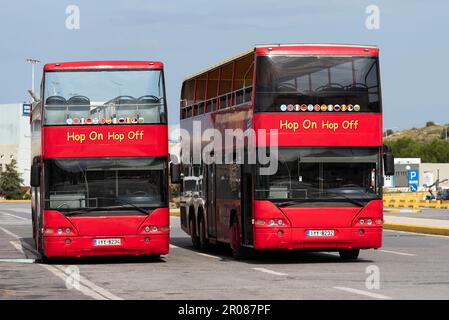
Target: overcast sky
191,35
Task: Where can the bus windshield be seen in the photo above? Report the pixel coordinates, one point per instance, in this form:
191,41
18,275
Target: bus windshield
104,97
105,184
327,174
317,81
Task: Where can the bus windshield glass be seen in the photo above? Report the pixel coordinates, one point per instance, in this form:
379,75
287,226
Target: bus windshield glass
327,174
349,83
104,97
105,184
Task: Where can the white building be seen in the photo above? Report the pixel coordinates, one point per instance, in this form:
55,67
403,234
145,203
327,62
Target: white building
15,139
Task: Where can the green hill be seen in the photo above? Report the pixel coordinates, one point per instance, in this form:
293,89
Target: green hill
421,135
428,143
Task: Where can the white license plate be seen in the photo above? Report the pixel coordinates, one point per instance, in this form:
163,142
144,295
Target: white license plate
320,233
107,242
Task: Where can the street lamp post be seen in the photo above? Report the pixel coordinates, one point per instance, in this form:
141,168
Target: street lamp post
33,63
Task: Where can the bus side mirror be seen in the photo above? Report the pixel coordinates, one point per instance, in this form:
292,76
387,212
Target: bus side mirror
388,161
175,173
35,179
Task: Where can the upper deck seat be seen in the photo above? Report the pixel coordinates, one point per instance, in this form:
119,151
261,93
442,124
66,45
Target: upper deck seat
79,107
55,110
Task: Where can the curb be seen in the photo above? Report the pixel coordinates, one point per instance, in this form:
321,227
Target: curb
403,210
417,228
15,201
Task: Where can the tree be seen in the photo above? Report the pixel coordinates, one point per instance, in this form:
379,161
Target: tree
430,123
10,182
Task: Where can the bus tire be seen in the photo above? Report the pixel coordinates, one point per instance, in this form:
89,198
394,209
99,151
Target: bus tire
204,242
193,236
349,254
236,247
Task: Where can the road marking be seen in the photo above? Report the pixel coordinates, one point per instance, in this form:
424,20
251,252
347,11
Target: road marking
20,246
82,288
363,293
173,246
270,271
18,260
207,255
10,233
86,287
15,216
399,253
108,295
419,234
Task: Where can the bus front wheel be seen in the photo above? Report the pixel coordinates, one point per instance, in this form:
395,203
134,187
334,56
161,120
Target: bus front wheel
349,254
193,236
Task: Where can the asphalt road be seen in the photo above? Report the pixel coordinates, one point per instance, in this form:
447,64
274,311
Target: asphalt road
409,266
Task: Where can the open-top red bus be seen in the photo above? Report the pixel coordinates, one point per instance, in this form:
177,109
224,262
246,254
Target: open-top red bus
323,102
99,160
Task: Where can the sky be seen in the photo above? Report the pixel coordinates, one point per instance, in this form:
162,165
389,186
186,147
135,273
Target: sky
189,36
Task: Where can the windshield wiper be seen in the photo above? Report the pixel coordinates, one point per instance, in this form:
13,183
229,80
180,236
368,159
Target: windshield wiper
351,200
77,212
132,205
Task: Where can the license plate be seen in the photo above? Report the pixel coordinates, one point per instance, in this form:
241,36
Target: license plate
320,233
107,242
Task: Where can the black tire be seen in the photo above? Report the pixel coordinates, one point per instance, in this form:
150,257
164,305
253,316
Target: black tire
349,254
193,236
204,242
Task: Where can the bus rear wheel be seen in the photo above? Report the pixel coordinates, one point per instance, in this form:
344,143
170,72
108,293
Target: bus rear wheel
193,236
349,254
204,242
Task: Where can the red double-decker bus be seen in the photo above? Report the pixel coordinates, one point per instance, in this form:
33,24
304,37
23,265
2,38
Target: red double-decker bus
320,106
99,160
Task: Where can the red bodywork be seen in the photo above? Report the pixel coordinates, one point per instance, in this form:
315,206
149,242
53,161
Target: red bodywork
361,130
354,129
125,140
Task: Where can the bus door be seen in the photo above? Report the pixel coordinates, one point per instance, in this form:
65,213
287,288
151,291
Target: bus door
246,205
210,201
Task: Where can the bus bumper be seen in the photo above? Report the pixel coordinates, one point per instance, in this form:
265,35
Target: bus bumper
296,238
83,246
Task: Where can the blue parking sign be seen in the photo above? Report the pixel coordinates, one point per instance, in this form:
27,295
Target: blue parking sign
413,180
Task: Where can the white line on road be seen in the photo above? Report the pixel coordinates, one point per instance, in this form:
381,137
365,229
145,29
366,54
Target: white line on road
9,233
173,246
14,216
18,260
419,234
82,288
363,293
86,287
270,271
399,253
207,255
89,284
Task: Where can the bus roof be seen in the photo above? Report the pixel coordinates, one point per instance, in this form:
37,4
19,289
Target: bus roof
297,48
103,65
